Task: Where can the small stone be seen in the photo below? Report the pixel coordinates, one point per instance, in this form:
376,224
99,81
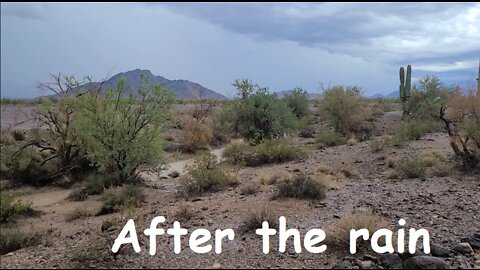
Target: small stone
391,261
463,248
425,262
365,264
439,251
342,265
216,266
369,257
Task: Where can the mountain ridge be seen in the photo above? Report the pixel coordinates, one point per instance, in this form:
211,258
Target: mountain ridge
182,89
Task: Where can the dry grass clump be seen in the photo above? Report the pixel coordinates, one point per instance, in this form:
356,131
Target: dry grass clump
339,232
250,188
256,217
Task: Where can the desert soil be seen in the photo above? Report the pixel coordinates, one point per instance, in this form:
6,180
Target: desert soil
448,207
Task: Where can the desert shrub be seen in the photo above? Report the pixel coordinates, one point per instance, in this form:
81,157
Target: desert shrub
184,213
220,131
307,131
6,137
340,231
28,167
386,104
122,133
297,100
196,135
257,114
461,118
266,178
344,108
256,217
271,151
426,99
96,184
302,187
267,151
250,188
413,129
205,175
330,137
18,135
10,208
411,168
349,171
78,213
235,153
376,145
13,239
119,198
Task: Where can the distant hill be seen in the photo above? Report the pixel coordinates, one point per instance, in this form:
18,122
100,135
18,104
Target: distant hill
182,89
391,95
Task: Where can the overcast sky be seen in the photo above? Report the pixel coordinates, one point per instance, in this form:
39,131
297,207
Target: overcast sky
276,45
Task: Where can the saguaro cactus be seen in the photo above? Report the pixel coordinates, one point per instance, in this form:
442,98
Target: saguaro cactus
405,87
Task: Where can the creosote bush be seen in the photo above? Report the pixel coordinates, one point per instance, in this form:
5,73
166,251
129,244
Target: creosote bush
345,109
302,187
12,239
119,198
328,137
206,176
265,152
297,100
10,208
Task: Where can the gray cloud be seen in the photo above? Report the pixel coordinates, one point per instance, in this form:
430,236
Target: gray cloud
276,45
393,32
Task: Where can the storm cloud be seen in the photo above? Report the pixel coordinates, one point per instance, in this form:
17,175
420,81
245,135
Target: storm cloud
280,45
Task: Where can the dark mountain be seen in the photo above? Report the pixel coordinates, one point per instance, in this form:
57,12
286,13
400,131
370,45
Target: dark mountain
182,89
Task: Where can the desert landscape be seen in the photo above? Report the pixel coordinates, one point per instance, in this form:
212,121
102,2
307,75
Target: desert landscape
379,164
85,158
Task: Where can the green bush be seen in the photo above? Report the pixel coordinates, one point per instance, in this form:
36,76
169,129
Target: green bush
297,100
123,132
411,168
344,108
10,209
206,176
257,114
119,198
14,239
329,137
272,151
265,152
413,129
235,153
302,187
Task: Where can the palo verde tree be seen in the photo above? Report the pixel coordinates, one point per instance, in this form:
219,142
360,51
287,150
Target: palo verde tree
122,131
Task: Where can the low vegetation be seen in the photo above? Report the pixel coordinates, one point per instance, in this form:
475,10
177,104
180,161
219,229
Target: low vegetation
206,176
119,198
328,137
339,232
10,209
265,152
302,187
12,239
